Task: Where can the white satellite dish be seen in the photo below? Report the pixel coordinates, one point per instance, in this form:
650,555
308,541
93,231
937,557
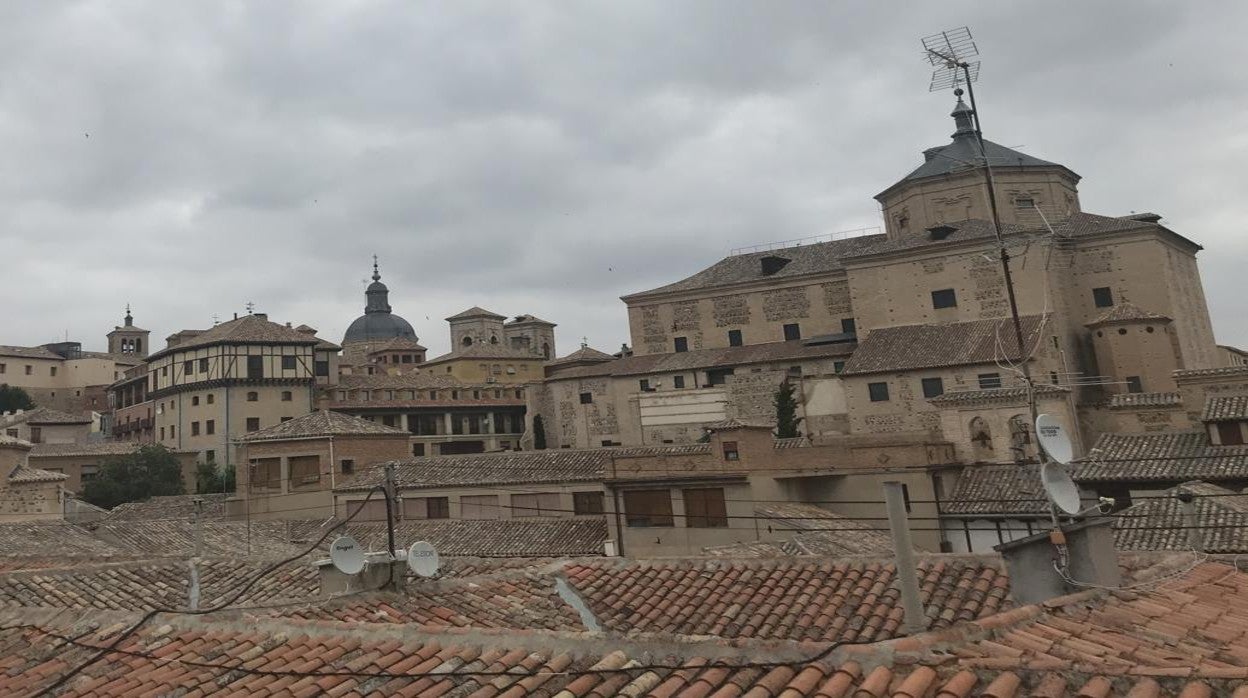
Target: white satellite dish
1060,488
1054,439
422,559
347,555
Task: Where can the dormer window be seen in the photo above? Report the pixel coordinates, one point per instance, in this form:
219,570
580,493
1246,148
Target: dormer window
772,264
940,232
1025,202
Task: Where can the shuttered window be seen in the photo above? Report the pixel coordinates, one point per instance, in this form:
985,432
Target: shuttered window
705,508
648,508
305,472
535,504
483,506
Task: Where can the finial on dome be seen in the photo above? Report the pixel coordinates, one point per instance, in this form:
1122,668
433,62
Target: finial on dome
962,116
376,274
129,317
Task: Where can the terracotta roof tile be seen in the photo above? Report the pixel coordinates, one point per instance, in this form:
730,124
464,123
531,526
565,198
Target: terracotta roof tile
513,537
26,474
913,347
768,352
1126,311
248,329
1162,456
1157,523
996,490
1231,408
322,423
997,395
177,506
814,531
44,415
1125,401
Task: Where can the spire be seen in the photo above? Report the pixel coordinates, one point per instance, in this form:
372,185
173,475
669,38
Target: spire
129,317
376,274
962,117
377,294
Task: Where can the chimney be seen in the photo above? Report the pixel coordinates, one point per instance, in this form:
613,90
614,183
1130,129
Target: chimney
915,619
1090,560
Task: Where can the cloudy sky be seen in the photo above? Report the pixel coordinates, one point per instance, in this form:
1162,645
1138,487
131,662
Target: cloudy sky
547,158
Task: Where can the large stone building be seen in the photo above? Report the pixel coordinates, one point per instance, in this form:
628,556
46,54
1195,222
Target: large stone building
909,330
371,338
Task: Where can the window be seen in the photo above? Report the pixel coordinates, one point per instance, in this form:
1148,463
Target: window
210,398
587,398
210,426
52,370
838,366
849,325
1134,384
255,367
253,424
944,298
188,367
194,428
1229,434
718,376
730,451
322,368
162,434
253,396
1025,202
1103,297
194,400
288,363
210,456
3,367
734,338
418,450
437,508
678,382
287,396
13,432
203,365
286,419
681,344
481,506
792,331
266,473
305,471
31,369
535,504
989,381
933,387
88,472
644,383
173,431
878,392
587,503
36,435
648,508
705,508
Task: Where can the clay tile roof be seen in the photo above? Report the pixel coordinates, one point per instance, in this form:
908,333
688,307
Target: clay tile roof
913,347
248,329
1131,401
1224,371
475,312
818,258
992,395
996,490
529,320
29,352
322,423
808,530
88,449
510,537
1156,522
485,351
44,415
405,381
769,352
40,537
26,474
1231,408
1126,311
734,423
1159,457
397,344
177,506
176,535
14,442
553,465
584,354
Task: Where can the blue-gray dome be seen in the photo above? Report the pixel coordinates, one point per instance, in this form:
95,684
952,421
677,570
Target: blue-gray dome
377,322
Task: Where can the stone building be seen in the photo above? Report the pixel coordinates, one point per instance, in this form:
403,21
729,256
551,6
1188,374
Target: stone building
488,348
909,330
80,462
47,426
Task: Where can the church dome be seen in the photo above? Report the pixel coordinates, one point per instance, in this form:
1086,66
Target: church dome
377,322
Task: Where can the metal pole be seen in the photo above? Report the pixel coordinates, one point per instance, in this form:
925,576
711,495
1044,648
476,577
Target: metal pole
390,489
199,520
1194,538
894,497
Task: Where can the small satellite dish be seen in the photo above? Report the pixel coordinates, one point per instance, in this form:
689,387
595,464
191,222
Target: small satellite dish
1053,438
347,555
422,559
1060,488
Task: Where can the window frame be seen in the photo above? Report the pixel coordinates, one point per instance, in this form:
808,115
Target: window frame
792,331
878,391
735,339
988,381
943,298
680,345
655,512
936,381
1103,297
705,507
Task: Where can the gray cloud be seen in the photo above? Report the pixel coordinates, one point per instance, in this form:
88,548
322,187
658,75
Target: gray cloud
547,158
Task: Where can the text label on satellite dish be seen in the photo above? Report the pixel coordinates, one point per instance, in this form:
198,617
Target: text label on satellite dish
422,559
347,555
1053,438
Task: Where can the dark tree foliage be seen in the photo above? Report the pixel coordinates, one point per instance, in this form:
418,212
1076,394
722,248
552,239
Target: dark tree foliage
151,471
211,478
786,412
539,433
14,398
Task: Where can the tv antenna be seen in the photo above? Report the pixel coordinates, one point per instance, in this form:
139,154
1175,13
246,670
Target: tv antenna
949,52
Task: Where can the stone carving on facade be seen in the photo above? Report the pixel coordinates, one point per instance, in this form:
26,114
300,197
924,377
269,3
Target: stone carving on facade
731,311
786,304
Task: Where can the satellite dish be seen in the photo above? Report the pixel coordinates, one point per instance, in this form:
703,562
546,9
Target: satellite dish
423,559
1054,439
347,555
1060,488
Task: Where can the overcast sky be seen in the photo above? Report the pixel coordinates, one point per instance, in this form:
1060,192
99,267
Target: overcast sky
547,158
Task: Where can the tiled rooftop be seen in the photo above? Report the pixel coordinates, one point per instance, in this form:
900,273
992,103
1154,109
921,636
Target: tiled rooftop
90,449
991,395
322,423
808,530
1169,456
996,490
44,415
913,347
1131,401
40,538
485,351
1230,408
769,352
1125,311
177,506
796,599
583,355
1157,523
248,329
27,474
515,537
29,352
232,539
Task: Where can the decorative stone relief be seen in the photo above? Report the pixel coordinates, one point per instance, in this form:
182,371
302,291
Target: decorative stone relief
752,395
884,423
686,316
786,304
731,311
836,298
653,333
989,287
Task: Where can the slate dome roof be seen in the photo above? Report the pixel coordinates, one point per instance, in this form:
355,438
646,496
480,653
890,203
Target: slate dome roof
377,322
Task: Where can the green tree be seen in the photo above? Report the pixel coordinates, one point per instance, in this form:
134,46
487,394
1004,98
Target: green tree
14,398
210,478
539,433
151,471
786,412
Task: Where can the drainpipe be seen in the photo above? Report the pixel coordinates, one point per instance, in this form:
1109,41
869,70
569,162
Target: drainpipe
907,574
619,530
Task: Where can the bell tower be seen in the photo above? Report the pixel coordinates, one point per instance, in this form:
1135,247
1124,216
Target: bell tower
128,339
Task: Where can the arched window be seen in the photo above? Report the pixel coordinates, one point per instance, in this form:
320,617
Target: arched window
253,396
981,439
546,351
138,345
467,341
493,339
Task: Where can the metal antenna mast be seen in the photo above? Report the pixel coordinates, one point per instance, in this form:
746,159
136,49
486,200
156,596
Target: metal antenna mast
949,52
